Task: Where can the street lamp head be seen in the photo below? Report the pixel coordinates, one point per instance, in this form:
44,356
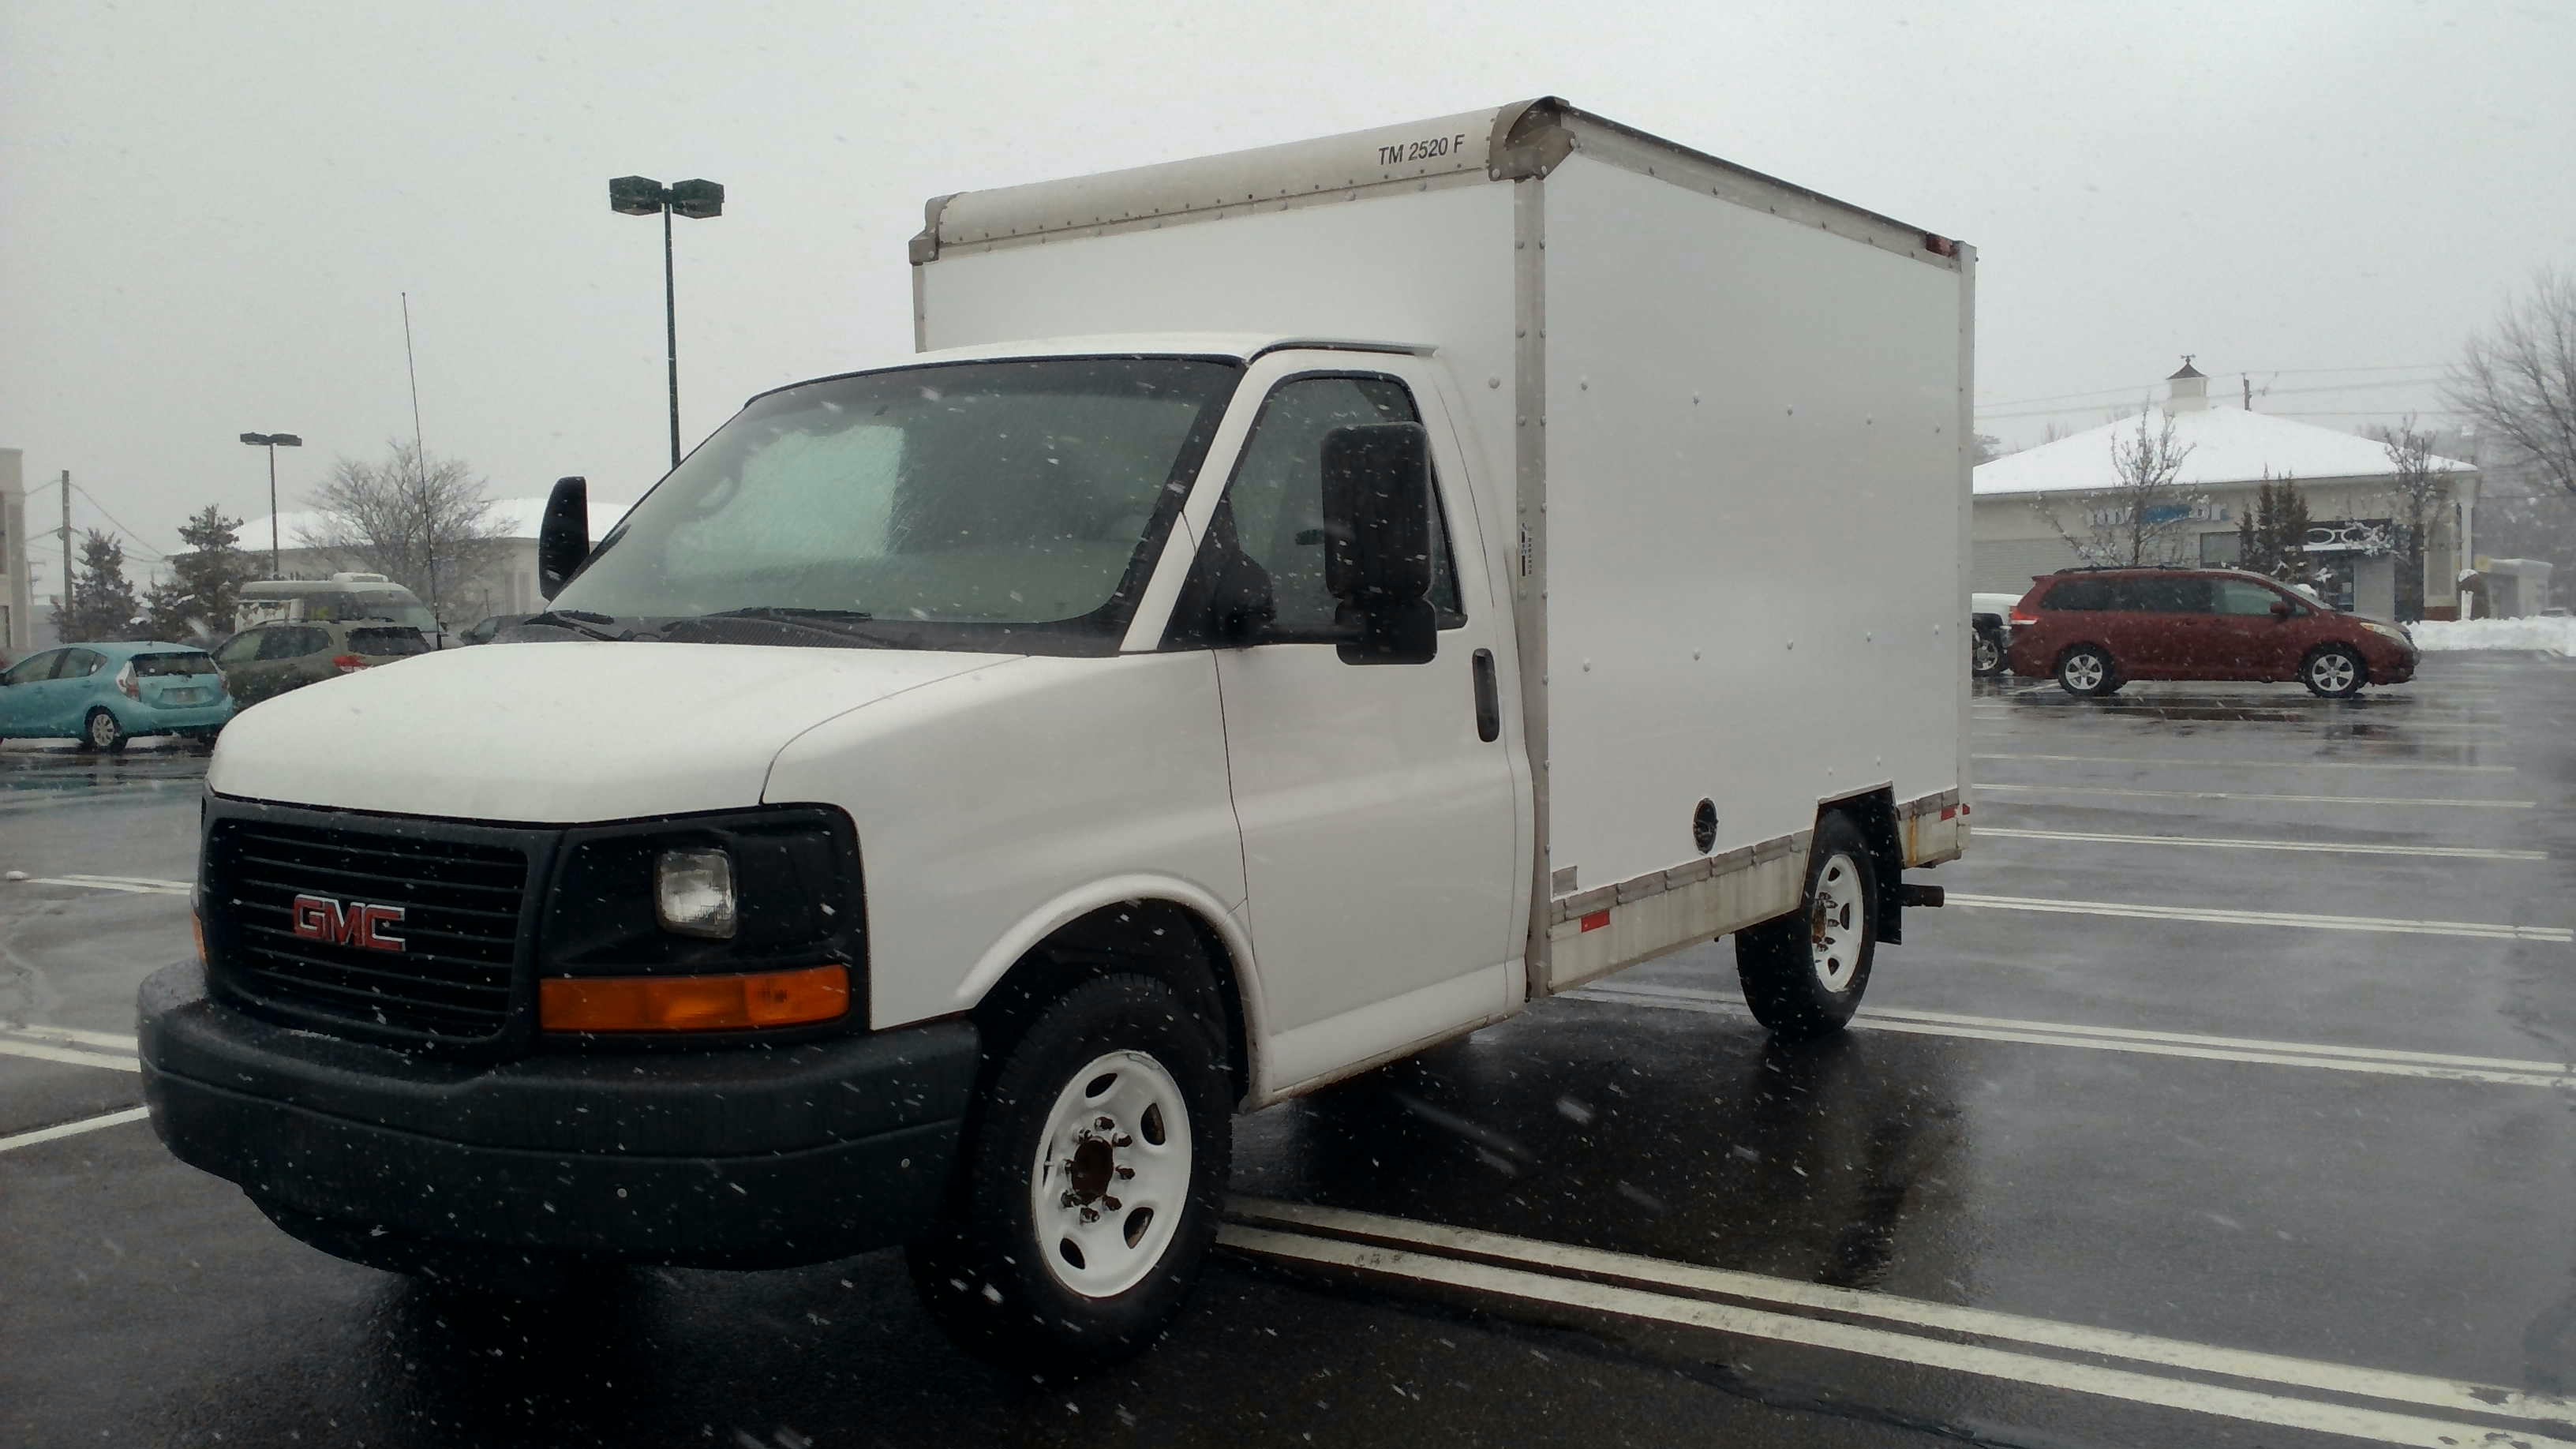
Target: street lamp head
256,440
285,440
636,195
699,199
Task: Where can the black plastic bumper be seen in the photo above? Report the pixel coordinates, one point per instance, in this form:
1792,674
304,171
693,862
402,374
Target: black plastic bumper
730,1157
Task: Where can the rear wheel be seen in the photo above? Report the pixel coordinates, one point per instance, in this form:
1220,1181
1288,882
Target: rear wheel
1089,1184
101,732
2086,671
1803,973
2334,672
1989,652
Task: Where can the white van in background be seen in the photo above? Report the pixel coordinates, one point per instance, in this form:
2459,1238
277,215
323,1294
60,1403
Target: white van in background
342,596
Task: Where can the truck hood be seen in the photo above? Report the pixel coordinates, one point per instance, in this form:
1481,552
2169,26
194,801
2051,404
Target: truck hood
558,733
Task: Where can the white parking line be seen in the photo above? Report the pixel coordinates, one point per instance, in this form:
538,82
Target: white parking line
2187,764
2441,852
73,1129
137,885
1991,787
1464,1258
18,1046
72,1036
2369,1061
2212,915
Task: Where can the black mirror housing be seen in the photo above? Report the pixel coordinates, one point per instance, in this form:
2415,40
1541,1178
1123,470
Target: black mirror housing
1377,540
563,539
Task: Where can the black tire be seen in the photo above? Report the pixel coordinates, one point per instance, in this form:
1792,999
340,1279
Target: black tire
2088,672
478,1269
987,1273
1987,653
2334,672
101,731
1794,986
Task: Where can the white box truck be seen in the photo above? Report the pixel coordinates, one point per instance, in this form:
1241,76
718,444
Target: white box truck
1428,569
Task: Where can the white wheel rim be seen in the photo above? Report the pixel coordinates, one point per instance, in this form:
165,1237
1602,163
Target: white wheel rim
1112,1174
2084,671
102,730
1837,923
2332,673
1988,652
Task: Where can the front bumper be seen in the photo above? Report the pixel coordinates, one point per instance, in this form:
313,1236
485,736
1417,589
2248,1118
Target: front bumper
741,1157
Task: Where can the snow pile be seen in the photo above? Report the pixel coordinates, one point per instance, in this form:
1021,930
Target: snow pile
2558,636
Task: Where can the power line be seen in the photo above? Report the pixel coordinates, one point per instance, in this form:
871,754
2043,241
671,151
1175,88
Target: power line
1989,416
131,540
2217,372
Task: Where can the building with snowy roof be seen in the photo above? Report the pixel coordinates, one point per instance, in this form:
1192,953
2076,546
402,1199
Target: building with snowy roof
2228,453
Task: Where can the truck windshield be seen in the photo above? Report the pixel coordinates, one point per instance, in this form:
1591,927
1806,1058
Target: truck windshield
1004,505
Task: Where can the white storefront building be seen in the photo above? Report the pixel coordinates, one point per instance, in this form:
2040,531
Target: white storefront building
2229,453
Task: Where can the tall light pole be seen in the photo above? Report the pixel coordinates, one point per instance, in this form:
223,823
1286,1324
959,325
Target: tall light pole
272,442
644,196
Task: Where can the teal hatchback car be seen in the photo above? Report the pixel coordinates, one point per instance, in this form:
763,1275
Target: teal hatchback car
105,694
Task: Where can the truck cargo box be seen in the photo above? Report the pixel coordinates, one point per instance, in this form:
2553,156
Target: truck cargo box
1728,418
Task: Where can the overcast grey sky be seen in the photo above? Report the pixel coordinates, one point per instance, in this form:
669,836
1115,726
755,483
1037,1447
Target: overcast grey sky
207,212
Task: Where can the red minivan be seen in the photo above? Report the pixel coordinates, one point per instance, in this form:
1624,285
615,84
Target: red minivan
2094,630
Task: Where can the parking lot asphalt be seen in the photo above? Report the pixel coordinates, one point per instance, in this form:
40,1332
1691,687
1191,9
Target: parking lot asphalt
2230,1100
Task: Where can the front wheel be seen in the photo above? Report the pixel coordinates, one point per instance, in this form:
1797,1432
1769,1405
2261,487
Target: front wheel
2333,672
1803,973
102,732
1089,1184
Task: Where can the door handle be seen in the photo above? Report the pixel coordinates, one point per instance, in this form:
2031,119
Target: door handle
1489,698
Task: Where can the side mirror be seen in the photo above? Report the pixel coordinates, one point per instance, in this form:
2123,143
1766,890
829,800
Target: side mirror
1377,541
563,539
2284,609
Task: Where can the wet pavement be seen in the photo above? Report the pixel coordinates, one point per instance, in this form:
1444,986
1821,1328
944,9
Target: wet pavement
2231,1101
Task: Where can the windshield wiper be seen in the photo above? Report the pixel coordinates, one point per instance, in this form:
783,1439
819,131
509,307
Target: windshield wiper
846,624
587,625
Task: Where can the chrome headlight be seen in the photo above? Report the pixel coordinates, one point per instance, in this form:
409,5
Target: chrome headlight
2388,631
693,893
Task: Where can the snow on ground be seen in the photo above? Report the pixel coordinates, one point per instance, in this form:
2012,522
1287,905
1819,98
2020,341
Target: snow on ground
2555,635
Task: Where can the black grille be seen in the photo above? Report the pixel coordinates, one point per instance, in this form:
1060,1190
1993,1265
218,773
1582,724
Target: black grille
454,979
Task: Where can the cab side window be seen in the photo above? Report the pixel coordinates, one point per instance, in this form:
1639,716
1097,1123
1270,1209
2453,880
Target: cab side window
1274,508
36,666
241,648
287,643
80,664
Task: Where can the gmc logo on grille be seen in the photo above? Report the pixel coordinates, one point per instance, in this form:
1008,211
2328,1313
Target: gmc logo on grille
320,918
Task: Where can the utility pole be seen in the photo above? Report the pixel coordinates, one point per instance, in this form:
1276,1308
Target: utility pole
69,603
420,476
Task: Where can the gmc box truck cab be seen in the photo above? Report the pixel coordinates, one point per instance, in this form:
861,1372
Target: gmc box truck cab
1429,569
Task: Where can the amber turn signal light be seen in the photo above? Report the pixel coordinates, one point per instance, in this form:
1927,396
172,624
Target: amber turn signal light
693,1003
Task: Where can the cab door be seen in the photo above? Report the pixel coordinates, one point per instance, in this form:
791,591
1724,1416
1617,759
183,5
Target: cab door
1375,800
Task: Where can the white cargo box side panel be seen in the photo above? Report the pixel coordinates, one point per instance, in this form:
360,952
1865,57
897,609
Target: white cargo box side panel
1755,497
1429,268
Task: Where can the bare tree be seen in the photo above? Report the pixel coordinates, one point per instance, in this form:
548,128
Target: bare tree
2146,515
2517,381
2418,490
423,521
